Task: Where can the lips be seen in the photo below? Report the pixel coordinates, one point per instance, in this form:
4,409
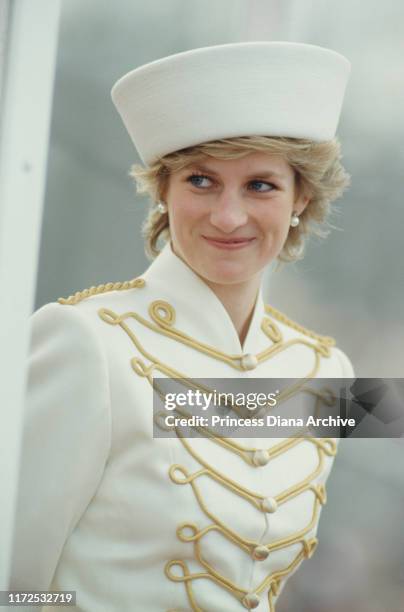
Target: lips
229,243
229,240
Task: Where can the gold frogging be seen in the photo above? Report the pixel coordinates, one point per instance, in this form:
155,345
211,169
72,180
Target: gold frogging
162,321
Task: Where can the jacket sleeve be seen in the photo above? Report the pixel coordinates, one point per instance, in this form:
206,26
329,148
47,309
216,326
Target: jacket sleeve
65,440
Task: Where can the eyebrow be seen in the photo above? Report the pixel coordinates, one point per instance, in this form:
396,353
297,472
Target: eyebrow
260,174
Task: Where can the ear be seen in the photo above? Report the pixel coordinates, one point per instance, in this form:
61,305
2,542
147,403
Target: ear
301,203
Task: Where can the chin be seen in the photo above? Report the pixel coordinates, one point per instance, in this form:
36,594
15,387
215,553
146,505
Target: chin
226,274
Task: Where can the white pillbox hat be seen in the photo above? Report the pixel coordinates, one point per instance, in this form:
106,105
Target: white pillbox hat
241,89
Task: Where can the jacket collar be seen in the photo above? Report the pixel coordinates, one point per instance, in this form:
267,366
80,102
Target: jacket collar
198,311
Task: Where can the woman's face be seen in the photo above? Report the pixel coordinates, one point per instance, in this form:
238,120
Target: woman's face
230,218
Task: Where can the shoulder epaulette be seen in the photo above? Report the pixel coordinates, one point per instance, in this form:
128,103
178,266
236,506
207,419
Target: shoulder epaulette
118,286
282,318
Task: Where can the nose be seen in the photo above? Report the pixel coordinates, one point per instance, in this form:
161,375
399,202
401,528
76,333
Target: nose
228,212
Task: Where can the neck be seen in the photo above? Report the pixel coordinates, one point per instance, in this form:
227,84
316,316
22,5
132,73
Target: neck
239,301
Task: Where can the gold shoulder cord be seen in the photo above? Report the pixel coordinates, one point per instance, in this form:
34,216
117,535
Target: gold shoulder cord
163,316
280,316
118,286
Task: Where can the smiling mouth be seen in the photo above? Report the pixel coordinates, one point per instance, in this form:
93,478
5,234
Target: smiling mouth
229,243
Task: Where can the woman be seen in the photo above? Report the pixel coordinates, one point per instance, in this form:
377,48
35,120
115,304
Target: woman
241,163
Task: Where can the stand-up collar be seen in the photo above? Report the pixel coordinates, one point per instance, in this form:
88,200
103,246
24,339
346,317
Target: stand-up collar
199,312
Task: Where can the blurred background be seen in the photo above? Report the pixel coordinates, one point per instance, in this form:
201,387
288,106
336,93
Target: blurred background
351,286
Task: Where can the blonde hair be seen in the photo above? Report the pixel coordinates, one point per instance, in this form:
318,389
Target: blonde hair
319,174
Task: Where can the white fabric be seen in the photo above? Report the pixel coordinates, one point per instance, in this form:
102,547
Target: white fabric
96,510
239,89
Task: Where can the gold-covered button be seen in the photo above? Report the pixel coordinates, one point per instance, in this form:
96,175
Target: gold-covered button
260,457
251,601
260,553
249,362
269,504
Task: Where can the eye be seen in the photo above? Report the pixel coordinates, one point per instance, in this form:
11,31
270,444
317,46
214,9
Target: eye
197,179
257,183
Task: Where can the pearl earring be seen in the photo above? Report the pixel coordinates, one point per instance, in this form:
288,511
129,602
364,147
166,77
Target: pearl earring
162,207
294,222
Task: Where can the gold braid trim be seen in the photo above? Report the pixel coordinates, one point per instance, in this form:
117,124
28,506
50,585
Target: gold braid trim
163,318
104,288
163,314
272,581
247,453
254,498
217,525
282,318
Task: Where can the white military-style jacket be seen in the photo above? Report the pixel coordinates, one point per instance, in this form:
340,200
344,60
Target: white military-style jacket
132,522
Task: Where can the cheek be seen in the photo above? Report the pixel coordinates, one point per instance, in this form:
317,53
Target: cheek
275,220
275,228
184,214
